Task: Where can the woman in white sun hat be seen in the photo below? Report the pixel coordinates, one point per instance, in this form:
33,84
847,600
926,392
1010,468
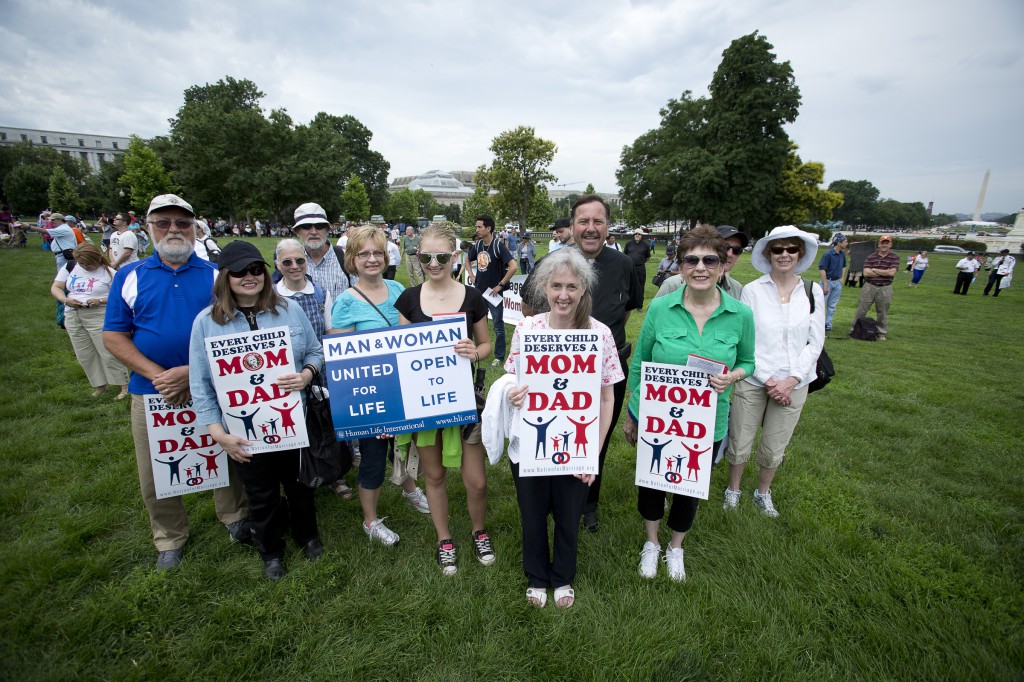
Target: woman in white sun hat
788,341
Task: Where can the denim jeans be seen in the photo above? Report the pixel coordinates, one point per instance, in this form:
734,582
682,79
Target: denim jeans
497,315
835,288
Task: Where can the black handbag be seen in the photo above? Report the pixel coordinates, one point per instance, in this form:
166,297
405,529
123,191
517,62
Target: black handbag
325,460
824,369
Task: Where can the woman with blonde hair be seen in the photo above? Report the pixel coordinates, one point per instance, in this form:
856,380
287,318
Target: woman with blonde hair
454,446
83,289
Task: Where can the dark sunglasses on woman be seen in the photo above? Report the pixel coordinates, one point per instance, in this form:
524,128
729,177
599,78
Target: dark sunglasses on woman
256,269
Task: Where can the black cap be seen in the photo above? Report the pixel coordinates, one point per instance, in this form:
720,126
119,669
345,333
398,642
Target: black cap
970,253
729,231
1005,251
239,255
560,223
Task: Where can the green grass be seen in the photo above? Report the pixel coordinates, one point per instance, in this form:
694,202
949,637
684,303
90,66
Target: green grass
899,552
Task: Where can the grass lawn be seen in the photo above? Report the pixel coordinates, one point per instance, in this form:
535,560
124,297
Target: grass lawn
898,554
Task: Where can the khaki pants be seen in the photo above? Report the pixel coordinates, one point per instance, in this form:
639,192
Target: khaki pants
167,517
85,328
881,297
412,264
753,409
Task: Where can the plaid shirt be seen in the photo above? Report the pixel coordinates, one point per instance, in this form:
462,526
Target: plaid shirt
328,273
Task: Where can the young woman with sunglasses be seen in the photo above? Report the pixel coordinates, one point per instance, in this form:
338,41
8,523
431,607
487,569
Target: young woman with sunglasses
454,446
370,304
789,341
244,300
703,320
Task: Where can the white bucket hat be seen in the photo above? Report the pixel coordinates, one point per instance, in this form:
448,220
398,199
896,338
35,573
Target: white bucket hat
310,214
760,261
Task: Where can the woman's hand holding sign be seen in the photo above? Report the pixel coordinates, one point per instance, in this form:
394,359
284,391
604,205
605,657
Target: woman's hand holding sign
233,445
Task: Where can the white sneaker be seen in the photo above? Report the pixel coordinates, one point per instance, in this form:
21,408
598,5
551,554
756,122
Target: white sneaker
378,531
764,503
418,500
649,556
732,499
674,559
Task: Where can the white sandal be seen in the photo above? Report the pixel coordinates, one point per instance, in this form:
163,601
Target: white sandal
563,592
537,596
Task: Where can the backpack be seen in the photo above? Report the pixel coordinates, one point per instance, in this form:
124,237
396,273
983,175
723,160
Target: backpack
865,329
824,369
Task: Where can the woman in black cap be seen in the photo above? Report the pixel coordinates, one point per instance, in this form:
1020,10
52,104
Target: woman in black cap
245,300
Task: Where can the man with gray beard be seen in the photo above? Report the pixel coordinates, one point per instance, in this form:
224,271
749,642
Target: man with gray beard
148,326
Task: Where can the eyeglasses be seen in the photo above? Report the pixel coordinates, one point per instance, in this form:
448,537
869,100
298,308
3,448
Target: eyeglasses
441,258
778,250
314,226
287,262
365,255
256,269
736,250
710,262
181,223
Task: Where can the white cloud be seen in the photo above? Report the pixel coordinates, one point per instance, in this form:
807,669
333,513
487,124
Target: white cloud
917,97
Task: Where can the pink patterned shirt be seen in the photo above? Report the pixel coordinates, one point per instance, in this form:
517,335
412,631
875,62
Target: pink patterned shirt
611,368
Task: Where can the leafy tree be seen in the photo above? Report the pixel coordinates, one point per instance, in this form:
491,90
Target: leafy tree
949,218
25,172
426,204
370,166
520,165
452,212
144,174
62,192
752,98
219,138
355,202
479,203
800,198
859,200
589,189
542,211
401,207
718,159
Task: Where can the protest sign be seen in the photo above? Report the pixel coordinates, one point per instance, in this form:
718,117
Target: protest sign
399,379
559,427
677,425
244,366
186,458
512,297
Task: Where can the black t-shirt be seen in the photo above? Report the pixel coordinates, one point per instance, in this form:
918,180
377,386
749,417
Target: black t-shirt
474,305
639,251
618,290
491,263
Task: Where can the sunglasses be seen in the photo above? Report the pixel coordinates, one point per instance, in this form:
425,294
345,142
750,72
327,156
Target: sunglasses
441,258
181,223
710,262
736,250
256,269
791,250
287,262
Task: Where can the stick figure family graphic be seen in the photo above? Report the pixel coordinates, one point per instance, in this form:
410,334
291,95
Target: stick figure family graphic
560,441
674,464
269,427
193,472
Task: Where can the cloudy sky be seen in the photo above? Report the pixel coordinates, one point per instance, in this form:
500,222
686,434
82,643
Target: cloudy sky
919,97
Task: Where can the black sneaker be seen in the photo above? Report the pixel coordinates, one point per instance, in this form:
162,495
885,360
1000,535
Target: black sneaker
446,557
274,569
484,550
241,531
313,549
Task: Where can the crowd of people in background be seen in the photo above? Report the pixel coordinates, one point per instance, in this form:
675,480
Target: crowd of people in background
128,332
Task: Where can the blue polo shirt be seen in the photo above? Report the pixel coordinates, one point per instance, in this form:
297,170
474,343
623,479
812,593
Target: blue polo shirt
157,305
833,263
